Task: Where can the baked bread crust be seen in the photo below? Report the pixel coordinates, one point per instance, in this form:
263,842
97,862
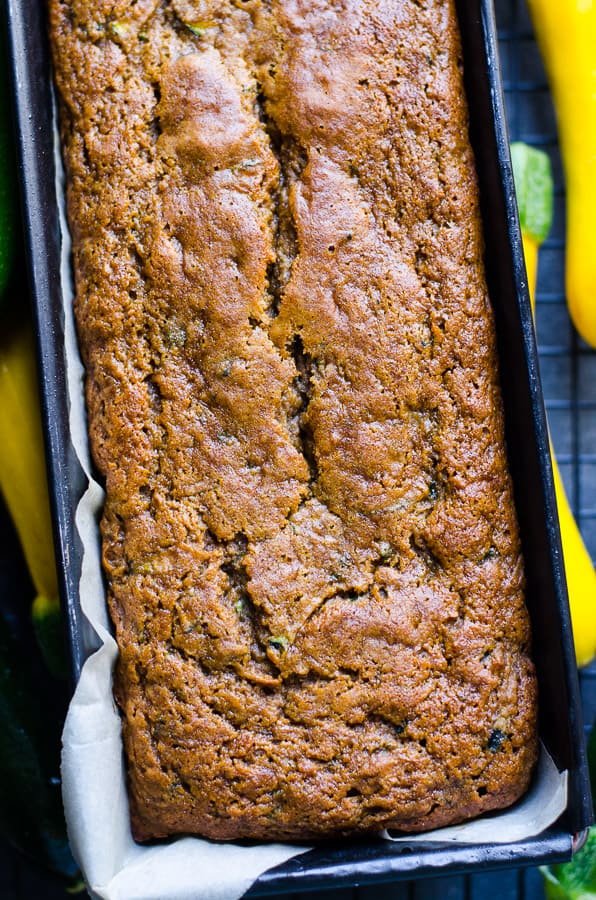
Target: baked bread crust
309,539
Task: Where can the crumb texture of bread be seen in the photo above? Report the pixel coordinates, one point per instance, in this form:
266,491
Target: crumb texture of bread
309,539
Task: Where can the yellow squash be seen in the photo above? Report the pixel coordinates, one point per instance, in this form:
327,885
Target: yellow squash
23,483
533,182
566,33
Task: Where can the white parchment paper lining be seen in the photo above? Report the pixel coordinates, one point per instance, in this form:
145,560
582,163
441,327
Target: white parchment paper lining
94,780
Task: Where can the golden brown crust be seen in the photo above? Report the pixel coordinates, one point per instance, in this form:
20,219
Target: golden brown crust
312,556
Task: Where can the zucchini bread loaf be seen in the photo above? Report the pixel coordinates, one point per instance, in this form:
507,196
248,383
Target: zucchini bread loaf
310,545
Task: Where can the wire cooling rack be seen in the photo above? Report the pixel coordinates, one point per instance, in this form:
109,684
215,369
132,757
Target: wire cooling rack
568,368
567,364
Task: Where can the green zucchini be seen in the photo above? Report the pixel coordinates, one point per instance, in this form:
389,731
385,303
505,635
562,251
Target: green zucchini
31,813
9,217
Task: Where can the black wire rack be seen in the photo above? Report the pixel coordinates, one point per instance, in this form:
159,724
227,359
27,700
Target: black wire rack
567,363
568,369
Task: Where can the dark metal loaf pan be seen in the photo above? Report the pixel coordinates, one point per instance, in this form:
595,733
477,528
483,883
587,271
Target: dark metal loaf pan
348,863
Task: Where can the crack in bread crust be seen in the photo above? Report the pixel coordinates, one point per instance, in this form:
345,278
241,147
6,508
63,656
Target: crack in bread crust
309,538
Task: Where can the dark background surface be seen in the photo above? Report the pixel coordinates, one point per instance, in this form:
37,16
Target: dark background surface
568,368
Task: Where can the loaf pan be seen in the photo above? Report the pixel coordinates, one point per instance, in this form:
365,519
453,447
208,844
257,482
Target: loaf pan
372,860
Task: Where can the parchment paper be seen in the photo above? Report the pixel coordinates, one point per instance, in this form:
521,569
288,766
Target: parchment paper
94,784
